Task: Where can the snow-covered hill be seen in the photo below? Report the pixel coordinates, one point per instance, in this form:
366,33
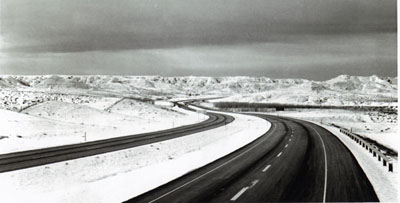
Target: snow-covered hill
342,90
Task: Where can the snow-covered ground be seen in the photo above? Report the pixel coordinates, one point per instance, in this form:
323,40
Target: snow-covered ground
56,123
342,90
339,91
121,175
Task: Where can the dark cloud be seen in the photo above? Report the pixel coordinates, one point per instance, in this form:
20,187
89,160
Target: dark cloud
314,39
312,57
76,25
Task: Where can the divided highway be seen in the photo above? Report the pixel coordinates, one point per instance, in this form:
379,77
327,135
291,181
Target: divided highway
294,161
31,158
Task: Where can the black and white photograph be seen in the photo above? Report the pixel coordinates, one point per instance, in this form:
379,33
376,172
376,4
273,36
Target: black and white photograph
198,101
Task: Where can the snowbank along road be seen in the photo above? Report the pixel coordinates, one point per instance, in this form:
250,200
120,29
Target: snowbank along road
294,161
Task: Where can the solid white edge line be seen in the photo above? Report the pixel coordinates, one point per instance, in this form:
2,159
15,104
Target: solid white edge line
280,153
234,158
326,164
266,168
239,193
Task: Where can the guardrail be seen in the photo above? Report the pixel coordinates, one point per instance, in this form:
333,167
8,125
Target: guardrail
375,151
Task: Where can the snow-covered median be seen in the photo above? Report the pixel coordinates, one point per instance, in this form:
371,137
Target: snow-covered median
121,175
59,123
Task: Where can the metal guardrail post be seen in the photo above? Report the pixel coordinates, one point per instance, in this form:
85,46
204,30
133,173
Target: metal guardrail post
386,160
390,167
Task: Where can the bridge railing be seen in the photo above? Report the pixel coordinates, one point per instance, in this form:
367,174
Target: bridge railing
374,150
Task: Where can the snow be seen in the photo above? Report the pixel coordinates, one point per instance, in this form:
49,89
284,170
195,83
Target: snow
56,123
164,103
18,100
342,90
121,175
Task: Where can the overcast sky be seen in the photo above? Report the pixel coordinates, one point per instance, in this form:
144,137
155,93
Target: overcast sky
314,39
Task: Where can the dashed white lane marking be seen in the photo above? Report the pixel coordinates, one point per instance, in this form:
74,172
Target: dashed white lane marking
243,190
290,140
239,193
326,164
253,183
266,168
286,145
214,169
280,153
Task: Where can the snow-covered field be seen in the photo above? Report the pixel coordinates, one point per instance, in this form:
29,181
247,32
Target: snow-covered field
56,123
115,176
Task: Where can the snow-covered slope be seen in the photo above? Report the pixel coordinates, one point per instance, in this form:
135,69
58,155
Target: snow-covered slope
54,123
342,90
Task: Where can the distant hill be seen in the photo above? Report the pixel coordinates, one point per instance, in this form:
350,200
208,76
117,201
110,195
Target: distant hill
341,90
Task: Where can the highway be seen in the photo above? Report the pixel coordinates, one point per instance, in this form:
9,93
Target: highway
31,158
294,161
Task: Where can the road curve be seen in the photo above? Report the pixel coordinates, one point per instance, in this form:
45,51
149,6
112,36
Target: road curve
294,161
31,158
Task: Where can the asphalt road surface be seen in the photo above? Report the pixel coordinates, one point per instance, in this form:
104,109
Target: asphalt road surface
294,161
31,158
